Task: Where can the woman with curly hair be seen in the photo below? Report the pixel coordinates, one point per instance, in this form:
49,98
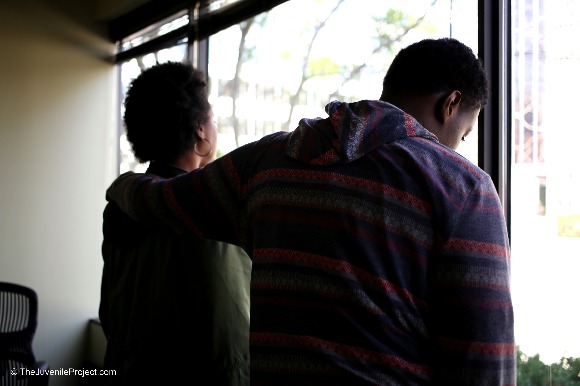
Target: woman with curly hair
173,308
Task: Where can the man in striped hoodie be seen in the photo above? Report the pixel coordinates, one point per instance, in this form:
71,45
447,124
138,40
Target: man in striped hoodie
380,255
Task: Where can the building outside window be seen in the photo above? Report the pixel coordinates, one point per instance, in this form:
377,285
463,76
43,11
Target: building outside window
545,183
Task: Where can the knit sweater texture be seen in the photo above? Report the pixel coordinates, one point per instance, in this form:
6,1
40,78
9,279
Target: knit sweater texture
380,256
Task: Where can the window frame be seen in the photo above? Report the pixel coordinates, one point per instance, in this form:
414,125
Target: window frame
202,23
494,147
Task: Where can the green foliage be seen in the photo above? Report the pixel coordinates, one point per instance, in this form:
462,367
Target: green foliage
391,25
394,25
569,226
322,67
248,53
396,17
533,372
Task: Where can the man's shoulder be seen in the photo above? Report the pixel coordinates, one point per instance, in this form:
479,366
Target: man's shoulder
446,169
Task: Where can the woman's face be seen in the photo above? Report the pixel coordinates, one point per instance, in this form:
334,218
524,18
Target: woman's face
212,134
209,133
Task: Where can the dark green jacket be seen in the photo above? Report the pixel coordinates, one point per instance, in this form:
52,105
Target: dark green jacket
173,308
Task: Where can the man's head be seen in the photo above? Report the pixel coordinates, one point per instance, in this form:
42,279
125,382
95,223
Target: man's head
165,107
441,83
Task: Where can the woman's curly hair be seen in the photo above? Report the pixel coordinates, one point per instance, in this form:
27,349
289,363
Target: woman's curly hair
164,106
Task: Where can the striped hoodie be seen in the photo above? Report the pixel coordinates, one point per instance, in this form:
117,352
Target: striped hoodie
380,256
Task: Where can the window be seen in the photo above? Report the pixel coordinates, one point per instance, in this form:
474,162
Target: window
131,68
545,182
273,69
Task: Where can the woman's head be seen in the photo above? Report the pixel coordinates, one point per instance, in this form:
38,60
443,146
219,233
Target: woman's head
165,106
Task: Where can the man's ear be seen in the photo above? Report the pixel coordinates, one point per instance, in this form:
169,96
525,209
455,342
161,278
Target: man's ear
448,105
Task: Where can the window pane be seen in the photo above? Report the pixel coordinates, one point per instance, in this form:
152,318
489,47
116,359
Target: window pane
214,5
546,184
161,28
269,71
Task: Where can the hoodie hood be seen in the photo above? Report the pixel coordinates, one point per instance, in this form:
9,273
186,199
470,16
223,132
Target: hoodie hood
351,131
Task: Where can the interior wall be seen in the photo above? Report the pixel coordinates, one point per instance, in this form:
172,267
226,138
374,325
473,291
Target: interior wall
57,157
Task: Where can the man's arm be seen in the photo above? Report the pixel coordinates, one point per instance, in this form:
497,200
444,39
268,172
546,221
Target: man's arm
123,190
471,298
201,202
